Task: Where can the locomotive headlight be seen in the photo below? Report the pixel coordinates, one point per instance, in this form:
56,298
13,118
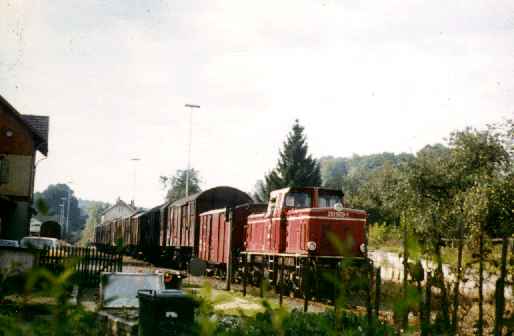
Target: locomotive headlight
338,207
311,246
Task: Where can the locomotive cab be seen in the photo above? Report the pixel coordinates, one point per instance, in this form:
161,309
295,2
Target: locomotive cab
317,223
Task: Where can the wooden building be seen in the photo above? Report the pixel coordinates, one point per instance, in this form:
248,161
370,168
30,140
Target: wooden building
21,137
120,209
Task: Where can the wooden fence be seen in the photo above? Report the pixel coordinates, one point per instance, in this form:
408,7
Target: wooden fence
87,262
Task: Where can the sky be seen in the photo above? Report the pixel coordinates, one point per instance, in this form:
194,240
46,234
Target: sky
362,77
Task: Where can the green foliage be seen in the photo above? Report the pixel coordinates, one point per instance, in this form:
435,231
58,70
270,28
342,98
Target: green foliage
53,197
296,323
333,170
371,182
176,184
295,168
55,318
93,219
383,236
41,206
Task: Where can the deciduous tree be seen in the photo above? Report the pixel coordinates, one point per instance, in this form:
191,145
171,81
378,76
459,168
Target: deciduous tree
176,184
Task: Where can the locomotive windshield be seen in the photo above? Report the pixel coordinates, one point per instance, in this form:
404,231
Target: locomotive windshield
328,200
299,200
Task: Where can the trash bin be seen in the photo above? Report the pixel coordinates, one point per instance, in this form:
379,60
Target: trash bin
165,312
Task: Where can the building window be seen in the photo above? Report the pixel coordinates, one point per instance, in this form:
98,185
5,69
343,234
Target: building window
7,132
4,170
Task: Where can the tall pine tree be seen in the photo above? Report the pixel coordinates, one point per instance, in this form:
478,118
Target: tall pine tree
295,167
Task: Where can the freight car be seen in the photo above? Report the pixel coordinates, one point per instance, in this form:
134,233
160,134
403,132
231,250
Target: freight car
181,236
222,235
50,229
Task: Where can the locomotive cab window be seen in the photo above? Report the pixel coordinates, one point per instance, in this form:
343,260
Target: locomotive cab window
298,200
329,200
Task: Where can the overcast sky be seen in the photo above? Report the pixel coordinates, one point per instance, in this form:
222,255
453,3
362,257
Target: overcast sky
362,77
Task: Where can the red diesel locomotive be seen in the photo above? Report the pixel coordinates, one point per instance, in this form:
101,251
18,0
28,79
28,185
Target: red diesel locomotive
297,227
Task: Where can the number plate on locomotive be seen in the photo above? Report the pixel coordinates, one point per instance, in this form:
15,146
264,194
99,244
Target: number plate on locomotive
338,214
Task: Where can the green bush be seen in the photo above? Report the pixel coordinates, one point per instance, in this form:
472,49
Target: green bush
383,236
296,323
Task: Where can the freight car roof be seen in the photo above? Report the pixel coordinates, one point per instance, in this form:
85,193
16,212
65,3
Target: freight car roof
155,209
184,200
213,211
193,197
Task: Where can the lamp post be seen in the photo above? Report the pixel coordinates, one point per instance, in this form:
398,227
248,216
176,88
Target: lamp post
67,225
191,106
61,215
135,161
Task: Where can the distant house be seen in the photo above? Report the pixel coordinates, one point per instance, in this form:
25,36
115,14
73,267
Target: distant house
35,226
119,210
21,136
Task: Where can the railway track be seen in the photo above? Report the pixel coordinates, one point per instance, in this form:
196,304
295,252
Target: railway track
289,302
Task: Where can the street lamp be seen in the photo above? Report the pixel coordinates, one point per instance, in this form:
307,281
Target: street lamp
61,215
68,210
191,106
135,161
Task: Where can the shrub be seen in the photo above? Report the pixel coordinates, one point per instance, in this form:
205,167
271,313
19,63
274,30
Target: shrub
384,236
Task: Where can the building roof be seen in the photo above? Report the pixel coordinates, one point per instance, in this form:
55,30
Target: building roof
40,124
37,125
119,202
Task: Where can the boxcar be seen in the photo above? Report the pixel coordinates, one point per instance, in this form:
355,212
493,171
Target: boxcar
103,235
50,229
163,225
118,231
182,234
214,233
135,230
150,232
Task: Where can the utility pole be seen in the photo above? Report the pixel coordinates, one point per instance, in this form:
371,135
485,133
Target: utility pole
68,214
191,106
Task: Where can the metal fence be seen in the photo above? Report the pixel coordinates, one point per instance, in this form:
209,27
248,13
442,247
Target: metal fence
88,262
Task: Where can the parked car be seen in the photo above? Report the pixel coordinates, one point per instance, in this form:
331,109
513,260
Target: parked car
38,242
9,243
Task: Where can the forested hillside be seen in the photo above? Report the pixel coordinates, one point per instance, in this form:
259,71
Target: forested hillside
366,180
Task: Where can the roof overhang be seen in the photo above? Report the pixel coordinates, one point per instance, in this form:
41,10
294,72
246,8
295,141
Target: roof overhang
40,140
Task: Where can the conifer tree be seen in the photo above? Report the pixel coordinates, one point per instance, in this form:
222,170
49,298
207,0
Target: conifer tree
295,167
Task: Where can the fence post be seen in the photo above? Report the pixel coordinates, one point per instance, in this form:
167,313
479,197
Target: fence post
425,323
89,266
369,308
244,274
306,275
378,283
280,298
